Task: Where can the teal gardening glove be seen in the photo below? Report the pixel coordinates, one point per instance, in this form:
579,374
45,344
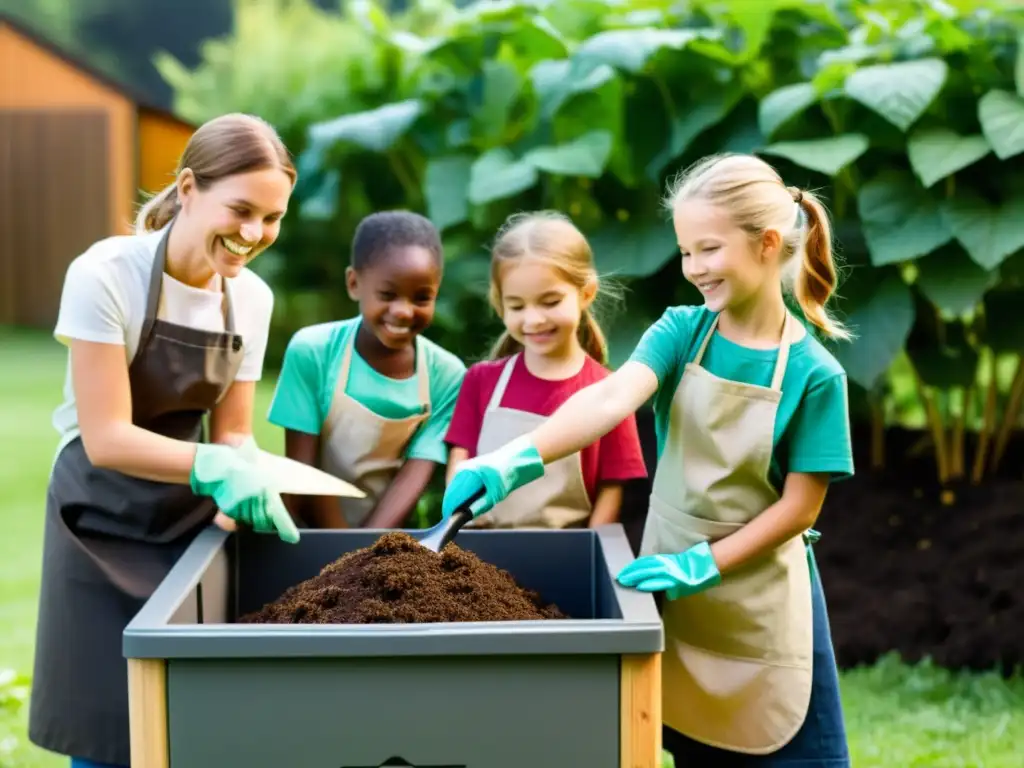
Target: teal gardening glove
232,478
495,474
678,576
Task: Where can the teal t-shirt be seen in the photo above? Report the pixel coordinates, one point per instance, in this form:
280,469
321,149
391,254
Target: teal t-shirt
812,427
309,376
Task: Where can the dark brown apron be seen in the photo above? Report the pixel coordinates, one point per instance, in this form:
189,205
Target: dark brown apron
109,539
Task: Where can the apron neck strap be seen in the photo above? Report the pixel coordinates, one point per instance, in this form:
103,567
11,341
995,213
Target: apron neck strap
422,373
499,388
780,361
783,357
155,296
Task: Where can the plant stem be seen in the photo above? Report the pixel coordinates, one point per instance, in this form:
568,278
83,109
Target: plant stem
988,422
938,433
959,433
1010,415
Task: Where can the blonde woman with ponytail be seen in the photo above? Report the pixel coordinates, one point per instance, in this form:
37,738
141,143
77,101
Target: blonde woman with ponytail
543,287
165,329
752,425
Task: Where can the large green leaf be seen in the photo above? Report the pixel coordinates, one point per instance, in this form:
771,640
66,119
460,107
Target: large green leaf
1001,115
321,203
935,153
497,174
952,281
446,188
554,82
989,233
633,249
901,221
1018,69
881,326
629,49
501,85
585,156
899,92
828,156
691,121
783,104
1004,322
942,353
376,130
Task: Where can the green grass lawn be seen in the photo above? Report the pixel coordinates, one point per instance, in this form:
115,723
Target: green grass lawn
898,716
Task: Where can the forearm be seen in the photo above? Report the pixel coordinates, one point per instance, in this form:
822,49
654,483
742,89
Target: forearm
593,412
455,457
793,514
402,494
607,505
138,452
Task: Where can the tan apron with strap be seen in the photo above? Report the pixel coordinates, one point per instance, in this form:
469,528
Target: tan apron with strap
365,449
558,499
737,666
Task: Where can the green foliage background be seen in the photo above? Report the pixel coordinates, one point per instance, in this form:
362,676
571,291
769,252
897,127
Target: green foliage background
907,116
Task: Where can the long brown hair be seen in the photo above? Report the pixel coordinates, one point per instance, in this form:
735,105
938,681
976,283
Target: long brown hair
553,238
221,147
757,199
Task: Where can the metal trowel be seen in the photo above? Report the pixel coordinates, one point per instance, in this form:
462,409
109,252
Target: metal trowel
437,538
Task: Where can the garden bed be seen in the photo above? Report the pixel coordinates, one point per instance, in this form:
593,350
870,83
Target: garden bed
924,571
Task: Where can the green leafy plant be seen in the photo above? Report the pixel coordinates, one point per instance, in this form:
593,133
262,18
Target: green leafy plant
905,116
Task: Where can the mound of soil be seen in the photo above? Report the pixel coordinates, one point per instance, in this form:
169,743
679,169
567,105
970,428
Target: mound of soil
397,581
922,570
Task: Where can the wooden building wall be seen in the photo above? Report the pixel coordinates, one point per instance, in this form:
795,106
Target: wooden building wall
35,79
162,139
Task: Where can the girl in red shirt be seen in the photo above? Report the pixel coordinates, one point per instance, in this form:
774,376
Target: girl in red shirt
543,283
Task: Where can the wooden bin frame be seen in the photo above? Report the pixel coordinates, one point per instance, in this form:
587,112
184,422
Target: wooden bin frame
639,708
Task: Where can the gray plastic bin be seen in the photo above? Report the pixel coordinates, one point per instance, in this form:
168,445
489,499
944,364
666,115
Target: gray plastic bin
208,693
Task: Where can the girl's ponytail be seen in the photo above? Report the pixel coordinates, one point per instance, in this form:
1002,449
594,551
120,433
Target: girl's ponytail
816,278
592,338
158,210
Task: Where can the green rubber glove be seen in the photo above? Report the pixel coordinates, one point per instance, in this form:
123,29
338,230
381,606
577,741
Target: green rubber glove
678,576
497,474
232,478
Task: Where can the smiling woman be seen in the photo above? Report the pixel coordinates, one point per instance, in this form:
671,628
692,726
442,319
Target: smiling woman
163,327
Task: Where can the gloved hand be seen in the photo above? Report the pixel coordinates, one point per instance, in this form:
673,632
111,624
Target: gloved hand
497,474
678,576
232,478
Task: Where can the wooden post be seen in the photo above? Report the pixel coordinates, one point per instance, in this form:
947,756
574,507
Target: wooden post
147,713
640,711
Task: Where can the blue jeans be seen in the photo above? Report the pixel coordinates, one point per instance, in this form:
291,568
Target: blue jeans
79,763
820,742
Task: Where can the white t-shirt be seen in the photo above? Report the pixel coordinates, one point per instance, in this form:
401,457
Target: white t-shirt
104,300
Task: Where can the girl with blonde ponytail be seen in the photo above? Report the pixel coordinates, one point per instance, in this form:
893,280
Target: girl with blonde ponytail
543,287
752,424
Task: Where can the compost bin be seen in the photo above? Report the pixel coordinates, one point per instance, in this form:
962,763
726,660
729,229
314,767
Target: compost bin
207,692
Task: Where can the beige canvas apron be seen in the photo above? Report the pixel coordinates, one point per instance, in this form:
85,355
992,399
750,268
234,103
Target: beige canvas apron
363,448
558,499
737,666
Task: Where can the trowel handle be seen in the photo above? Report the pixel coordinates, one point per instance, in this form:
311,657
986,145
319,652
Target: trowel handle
469,506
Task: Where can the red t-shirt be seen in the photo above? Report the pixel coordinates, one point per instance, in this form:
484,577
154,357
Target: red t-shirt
616,457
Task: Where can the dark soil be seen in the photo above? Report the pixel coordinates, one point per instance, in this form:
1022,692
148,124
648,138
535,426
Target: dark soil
396,581
908,566
923,570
